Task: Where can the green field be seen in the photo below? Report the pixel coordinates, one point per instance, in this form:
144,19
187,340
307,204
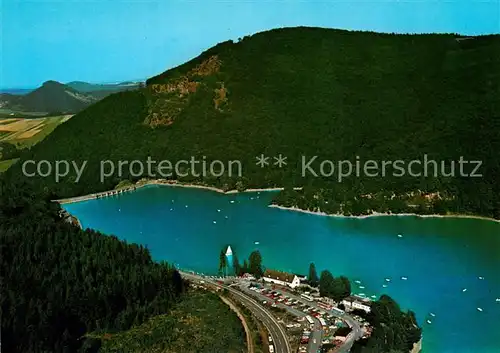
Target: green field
4,165
9,113
26,132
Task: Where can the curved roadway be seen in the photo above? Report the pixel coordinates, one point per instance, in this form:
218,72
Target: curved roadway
280,340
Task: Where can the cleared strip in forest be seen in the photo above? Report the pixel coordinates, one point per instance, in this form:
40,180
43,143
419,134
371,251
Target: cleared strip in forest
243,321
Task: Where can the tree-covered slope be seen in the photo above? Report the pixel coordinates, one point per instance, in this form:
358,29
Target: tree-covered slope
309,92
200,323
59,282
394,331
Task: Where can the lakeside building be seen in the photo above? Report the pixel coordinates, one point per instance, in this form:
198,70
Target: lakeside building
302,279
281,278
353,302
248,277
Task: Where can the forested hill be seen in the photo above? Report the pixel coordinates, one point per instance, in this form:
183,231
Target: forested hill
60,283
52,96
309,92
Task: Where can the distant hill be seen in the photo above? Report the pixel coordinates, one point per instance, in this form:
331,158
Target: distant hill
309,92
52,96
8,99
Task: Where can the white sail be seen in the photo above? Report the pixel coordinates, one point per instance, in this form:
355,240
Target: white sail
229,251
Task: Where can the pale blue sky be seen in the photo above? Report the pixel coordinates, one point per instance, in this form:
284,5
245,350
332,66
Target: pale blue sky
115,40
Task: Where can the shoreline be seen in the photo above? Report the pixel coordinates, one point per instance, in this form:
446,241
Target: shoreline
417,347
140,184
210,188
378,214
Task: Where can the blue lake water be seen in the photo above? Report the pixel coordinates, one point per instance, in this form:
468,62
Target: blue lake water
439,256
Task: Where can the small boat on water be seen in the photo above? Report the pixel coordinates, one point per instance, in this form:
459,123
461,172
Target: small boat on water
497,300
225,217
387,279
218,210
361,287
429,321
400,235
404,278
357,281
479,309
374,296
362,294
232,201
464,290
256,242
384,285
481,277
432,314
186,206
215,222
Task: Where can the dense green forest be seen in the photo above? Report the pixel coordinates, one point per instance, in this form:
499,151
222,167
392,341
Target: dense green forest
308,92
60,283
394,331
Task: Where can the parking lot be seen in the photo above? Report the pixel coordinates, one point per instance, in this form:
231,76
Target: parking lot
313,325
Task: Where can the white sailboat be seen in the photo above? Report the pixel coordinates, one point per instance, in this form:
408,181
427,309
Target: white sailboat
229,251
